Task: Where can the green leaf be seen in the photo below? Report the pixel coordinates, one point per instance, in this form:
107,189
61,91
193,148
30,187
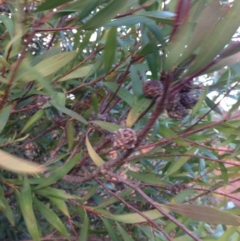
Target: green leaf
225,28
25,199
48,66
55,193
136,83
122,93
4,115
51,217
68,112
61,205
7,209
224,173
163,16
211,104
111,127
133,115
110,48
197,107
7,21
181,161
59,98
78,73
91,191
124,234
2,206
70,134
204,214
128,21
85,228
59,172
19,165
228,61
111,230
136,217
35,118
92,153
50,4
149,178
104,15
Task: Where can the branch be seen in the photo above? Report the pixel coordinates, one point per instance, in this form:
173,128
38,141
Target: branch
150,201
160,106
137,211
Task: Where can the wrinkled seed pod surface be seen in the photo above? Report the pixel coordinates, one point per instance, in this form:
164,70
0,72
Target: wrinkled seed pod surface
172,103
124,138
177,112
187,87
152,88
187,100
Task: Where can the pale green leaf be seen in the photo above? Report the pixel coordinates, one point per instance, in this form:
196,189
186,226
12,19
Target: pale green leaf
19,165
34,119
51,217
92,153
4,115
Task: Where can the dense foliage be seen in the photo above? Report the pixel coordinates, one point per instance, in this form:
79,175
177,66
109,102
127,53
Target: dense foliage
108,125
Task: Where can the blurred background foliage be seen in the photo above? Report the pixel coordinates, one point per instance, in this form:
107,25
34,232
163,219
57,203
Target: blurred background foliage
119,120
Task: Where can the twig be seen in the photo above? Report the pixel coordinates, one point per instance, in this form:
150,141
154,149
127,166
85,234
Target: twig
149,200
136,210
160,103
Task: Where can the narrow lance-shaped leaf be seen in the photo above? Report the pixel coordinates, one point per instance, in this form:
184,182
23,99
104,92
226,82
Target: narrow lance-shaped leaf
204,213
4,115
122,93
181,161
48,66
111,127
111,230
136,83
92,153
35,118
70,134
54,192
51,217
123,233
224,29
85,228
133,115
68,112
58,173
50,4
106,14
61,205
19,165
110,48
7,209
25,199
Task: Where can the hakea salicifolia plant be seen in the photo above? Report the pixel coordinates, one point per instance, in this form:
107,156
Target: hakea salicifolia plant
178,107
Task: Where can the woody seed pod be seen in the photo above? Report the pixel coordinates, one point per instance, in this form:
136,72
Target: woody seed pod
152,88
124,138
187,100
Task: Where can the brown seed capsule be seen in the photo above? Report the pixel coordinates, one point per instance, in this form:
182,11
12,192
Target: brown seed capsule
176,110
152,88
187,100
187,87
124,138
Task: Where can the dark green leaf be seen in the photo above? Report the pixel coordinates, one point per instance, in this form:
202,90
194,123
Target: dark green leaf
110,48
